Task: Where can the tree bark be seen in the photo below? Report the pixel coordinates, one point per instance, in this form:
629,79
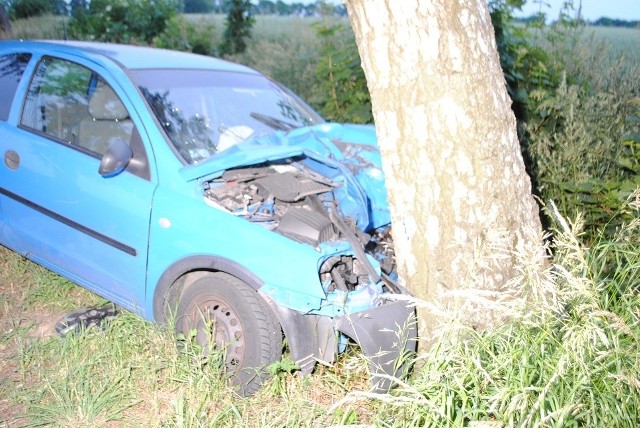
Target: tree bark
460,198
5,24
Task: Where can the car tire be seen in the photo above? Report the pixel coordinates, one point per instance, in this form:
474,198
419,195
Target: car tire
223,311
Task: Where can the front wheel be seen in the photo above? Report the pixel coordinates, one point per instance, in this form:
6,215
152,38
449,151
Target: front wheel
228,314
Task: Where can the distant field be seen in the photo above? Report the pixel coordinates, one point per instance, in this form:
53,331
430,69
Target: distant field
41,27
287,48
266,26
269,27
277,28
620,40
284,47
606,57
610,60
273,26
616,40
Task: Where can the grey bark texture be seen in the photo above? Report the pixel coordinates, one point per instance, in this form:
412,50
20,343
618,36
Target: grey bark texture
460,198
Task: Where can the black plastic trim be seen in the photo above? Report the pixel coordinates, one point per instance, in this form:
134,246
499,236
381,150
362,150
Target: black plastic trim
166,295
64,220
388,336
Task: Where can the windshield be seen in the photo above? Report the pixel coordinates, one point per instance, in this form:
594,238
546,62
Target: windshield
205,112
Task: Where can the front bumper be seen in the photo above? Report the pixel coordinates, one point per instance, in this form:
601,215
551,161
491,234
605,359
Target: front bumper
387,334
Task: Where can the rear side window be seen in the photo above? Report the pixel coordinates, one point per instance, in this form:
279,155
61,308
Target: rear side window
11,69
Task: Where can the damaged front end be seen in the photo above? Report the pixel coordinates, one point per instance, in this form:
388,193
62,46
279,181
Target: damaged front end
329,195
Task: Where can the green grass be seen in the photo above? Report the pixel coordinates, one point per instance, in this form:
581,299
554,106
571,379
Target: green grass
134,371
40,27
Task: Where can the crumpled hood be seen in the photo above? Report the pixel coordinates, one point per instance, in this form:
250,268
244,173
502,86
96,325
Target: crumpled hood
350,148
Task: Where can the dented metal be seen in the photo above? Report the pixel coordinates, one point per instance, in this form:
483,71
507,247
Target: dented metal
328,194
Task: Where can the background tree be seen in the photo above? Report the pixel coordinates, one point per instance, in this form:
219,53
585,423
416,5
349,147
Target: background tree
5,24
460,198
238,28
22,9
197,6
341,92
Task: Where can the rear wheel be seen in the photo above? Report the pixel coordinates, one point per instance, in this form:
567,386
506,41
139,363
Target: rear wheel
226,313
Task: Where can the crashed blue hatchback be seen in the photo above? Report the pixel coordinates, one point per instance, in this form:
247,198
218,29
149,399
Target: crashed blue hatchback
199,192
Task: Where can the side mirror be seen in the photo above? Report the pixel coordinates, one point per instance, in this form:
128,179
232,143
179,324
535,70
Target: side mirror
116,158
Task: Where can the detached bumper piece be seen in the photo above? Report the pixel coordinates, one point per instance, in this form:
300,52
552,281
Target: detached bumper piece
387,335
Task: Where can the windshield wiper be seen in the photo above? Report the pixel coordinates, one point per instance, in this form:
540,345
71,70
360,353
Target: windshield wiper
278,124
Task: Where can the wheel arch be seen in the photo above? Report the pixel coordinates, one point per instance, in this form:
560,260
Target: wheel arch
309,337
170,286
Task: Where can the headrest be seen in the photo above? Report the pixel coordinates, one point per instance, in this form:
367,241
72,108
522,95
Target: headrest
105,104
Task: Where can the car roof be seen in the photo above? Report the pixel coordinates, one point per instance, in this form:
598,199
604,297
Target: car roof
135,57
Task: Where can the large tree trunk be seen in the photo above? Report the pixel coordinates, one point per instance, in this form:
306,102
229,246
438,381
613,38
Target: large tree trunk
460,199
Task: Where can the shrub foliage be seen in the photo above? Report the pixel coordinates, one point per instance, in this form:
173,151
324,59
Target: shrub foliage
238,28
21,9
141,22
341,91
120,21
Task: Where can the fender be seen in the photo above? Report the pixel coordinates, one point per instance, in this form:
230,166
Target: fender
166,295
387,334
310,337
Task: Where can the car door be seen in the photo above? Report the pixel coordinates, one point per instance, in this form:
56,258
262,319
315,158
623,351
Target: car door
57,208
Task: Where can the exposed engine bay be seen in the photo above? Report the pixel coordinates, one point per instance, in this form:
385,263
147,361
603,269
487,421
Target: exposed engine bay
298,202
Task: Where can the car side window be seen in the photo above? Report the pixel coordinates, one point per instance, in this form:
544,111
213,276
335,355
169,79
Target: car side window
12,67
74,105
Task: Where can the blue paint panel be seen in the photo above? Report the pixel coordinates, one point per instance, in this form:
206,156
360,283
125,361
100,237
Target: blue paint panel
61,210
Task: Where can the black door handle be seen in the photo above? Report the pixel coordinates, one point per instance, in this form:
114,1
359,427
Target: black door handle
12,159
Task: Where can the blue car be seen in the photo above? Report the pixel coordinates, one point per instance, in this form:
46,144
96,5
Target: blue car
196,191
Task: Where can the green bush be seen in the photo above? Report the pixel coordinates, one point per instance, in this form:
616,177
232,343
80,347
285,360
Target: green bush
123,21
183,35
582,136
142,22
341,90
21,9
238,28
525,66
586,151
